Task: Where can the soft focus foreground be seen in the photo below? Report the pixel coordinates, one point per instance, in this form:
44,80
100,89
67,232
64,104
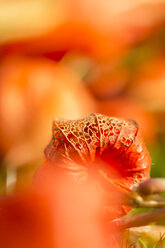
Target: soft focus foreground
25,221
67,59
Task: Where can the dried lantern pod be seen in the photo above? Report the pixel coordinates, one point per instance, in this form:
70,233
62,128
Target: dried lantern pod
109,148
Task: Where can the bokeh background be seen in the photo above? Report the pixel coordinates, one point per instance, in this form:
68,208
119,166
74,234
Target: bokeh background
70,58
